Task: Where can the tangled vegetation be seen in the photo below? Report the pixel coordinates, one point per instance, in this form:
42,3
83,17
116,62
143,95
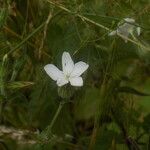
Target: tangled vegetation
111,111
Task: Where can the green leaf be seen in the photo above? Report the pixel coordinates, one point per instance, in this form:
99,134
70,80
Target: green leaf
130,90
18,84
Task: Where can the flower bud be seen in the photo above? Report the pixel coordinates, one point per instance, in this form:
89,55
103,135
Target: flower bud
66,92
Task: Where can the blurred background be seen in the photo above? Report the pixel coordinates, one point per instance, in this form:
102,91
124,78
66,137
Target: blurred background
110,112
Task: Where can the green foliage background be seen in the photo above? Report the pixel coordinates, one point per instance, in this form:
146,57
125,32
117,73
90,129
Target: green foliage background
111,111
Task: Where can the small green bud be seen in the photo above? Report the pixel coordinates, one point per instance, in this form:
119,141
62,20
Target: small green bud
66,92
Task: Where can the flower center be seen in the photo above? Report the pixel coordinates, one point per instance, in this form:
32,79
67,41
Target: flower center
67,77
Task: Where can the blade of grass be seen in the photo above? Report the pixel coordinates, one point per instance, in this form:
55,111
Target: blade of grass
16,35
26,39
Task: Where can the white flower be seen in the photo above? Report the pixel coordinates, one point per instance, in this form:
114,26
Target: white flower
71,72
125,28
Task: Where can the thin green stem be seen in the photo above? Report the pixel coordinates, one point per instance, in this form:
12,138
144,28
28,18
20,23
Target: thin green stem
54,118
46,134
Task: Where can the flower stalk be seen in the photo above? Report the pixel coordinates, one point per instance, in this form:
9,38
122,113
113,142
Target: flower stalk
46,134
61,104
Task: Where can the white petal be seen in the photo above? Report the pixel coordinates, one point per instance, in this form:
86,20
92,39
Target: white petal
79,68
138,29
130,20
67,63
76,81
53,71
112,33
127,26
124,30
62,81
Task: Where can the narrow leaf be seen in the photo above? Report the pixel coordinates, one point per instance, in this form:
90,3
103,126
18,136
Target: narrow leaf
126,89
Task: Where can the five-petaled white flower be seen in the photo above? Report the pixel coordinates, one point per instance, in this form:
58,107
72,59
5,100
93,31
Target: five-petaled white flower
125,28
71,72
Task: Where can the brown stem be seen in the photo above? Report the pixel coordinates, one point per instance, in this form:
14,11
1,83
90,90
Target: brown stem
93,138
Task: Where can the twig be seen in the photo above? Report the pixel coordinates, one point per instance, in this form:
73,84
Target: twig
44,33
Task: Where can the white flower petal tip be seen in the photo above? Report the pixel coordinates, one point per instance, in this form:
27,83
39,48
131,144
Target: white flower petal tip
79,68
130,20
138,30
71,72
